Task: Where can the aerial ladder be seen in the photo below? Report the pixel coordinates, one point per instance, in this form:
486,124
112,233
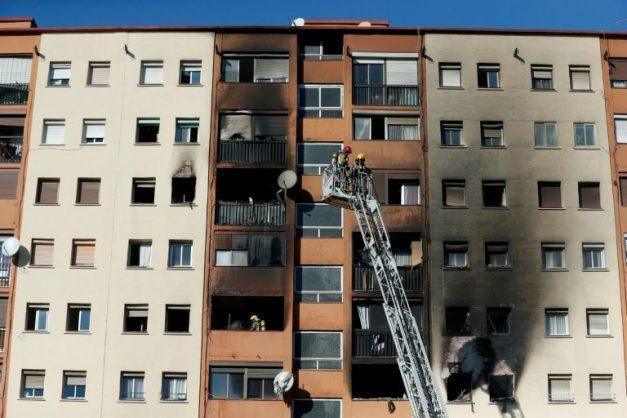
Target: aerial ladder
352,188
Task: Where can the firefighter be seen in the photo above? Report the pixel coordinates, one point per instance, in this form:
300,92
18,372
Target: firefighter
257,324
334,159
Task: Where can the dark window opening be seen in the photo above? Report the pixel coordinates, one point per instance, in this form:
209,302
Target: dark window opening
321,46
498,320
177,319
183,190
458,384
254,250
501,388
457,321
243,313
488,76
494,194
373,381
147,131
143,191
136,318
139,253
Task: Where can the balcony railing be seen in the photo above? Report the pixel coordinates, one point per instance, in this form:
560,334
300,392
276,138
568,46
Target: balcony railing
12,94
373,343
244,213
365,280
253,152
372,95
5,271
10,149
3,332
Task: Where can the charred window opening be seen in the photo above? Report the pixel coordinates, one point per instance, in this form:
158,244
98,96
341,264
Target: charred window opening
494,194
374,381
499,321
177,318
458,384
184,184
247,313
253,249
265,68
457,321
501,388
324,46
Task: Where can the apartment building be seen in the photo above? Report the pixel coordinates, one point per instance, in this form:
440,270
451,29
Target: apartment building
108,310
288,99
525,287
16,97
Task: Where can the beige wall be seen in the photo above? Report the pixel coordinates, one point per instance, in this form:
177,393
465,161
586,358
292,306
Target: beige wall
526,351
105,351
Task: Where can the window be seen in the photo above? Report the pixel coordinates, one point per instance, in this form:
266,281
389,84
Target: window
78,318
174,387
454,193
256,127
601,387
455,254
618,73
457,321
553,256
321,101
556,322
139,253
321,47
549,194
54,132
94,131
390,128
15,70
589,195
186,131
585,135
183,189
136,318
317,408
190,72
59,74
598,322
545,134
254,250
489,76
317,350
580,77
458,384
243,382
32,383
542,77
98,74
313,157
620,128
47,192
147,130
132,386
151,73
501,387
180,254
177,318
494,194
450,74
37,317
492,134
318,284
249,69
42,251
403,192
143,191
451,133
318,220
499,321
560,388
8,183
83,252
496,254
74,384
88,192
593,256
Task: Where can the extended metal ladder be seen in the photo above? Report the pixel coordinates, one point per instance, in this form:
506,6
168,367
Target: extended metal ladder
353,189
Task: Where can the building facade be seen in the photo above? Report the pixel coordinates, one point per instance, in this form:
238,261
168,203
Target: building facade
114,218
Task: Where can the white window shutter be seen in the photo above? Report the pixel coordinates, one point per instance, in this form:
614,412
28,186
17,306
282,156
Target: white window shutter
100,75
153,75
401,72
451,77
95,130
275,69
15,70
54,133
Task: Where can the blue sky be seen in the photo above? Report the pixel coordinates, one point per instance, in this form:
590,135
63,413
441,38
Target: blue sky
541,14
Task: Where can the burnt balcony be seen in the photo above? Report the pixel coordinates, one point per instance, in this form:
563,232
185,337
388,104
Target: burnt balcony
250,213
365,280
273,153
10,149
13,94
369,343
382,95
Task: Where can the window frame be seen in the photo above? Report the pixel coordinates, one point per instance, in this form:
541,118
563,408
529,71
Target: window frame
24,389
128,307
488,68
598,312
449,66
556,312
139,243
147,121
556,377
90,70
41,241
80,307
451,126
611,396
453,183
59,65
489,266
301,228
623,119
545,136
547,246
594,247
244,371
318,293
145,64
594,144
503,400
317,360
181,243
137,377
44,136
95,140
76,242
197,64
320,109
135,182
572,69
179,135
173,375
589,184
486,185
40,183
64,384
445,260
492,125
541,68
174,307
491,327
250,235
303,166
36,309
82,180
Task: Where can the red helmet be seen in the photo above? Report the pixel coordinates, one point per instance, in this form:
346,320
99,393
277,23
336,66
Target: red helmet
347,150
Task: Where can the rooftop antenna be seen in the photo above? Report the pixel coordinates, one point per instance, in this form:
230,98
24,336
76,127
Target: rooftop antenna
299,21
10,247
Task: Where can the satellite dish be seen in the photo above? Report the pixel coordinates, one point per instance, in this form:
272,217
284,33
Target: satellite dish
283,382
10,247
287,179
299,21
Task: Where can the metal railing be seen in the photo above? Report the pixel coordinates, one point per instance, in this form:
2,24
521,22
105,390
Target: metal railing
11,94
244,213
365,279
373,343
5,271
10,149
381,95
252,152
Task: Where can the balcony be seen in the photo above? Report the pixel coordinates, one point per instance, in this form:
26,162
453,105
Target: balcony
381,95
5,271
365,280
3,332
13,94
10,149
368,344
272,153
244,213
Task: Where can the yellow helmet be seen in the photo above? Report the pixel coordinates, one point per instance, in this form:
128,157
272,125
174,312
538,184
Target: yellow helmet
254,318
361,156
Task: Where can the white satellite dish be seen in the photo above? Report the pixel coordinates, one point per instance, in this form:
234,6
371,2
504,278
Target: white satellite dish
283,382
299,21
287,179
10,247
